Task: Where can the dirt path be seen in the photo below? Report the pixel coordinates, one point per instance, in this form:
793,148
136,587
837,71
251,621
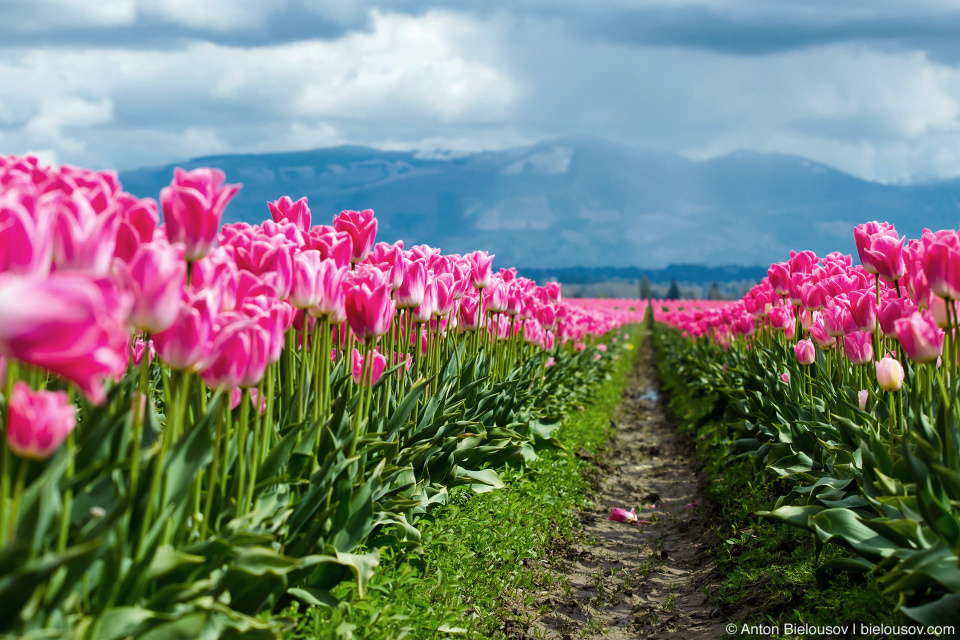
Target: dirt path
623,581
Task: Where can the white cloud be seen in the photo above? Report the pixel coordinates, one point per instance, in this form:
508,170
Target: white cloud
407,75
59,113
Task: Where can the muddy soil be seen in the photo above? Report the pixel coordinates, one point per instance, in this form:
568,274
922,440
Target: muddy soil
620,580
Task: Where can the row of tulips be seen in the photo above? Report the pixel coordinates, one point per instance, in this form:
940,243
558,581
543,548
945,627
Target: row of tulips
846,379
201,421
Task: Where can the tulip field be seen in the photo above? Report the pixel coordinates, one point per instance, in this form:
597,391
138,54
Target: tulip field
203,423
205,427
843,382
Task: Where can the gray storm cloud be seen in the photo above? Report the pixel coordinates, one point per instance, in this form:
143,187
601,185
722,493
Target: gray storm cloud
872,88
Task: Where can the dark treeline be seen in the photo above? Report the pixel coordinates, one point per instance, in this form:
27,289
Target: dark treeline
674,272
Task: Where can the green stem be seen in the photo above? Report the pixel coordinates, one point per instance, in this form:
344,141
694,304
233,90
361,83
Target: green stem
22,465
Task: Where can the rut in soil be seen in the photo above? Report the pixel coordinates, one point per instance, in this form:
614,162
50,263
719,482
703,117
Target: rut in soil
622,581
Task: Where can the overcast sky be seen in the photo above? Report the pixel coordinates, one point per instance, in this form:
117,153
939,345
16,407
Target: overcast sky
869,86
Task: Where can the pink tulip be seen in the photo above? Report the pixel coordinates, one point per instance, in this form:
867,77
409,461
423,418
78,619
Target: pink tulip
362,229
239,356
838,318
377,365
68,324
39,421
193,206
85,240
811,296
785,377
779,275
141,349
26,234
941,264
332,297
552,289
445,300
863,307
806,353
880,249
495,296
818,331
920,337
185,345
481,273
414,281
892,310
622,515
369,311
306,290
155,278
217,273
333,245
938,307
424,311
889,374
296,212
858,347
862,398
781,318
469,314
138,223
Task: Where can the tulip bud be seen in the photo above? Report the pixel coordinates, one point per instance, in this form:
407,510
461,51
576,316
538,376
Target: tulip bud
889,374
39,421
862,399
806,353
377,366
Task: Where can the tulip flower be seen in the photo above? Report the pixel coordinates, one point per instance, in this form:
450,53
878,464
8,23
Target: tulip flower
68,324
890,374
369,311
862,397
785,377
481,273
185,345
239,356
377,365
138,222
863,308
306,290
155,279
622,515
941,265
881,259
332,297
141,349
414,281
782,318
192,206
39,421
891,311
85,241
469,313
806,352
858,347
361,226
26,235
779,275
920,337
818,331
938,307
285,209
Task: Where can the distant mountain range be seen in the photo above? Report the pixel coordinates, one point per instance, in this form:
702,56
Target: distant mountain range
582,202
